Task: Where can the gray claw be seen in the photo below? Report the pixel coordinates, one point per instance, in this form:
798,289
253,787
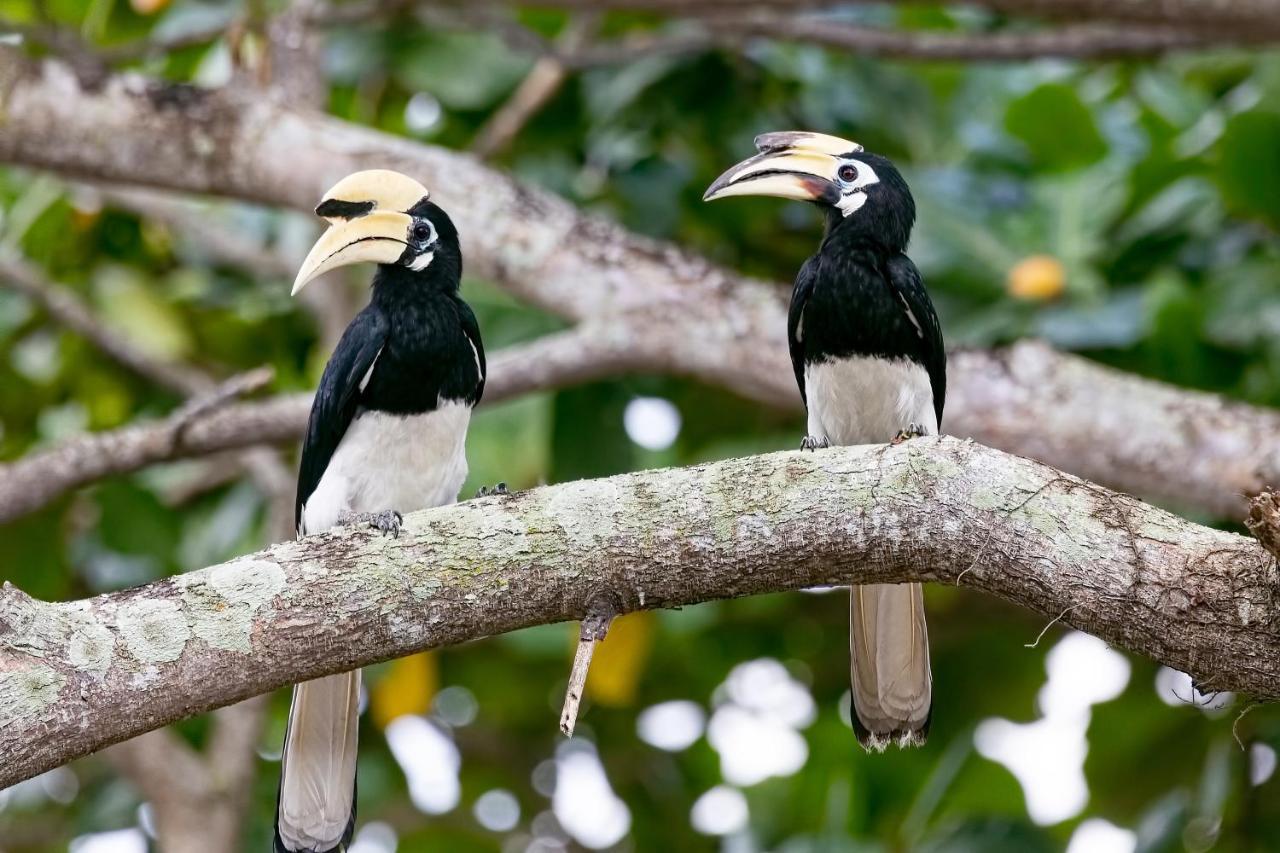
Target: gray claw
913,430
387,522
485,491
814,442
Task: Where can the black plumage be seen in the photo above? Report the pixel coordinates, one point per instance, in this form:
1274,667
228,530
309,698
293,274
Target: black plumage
860,294
420,339
386,435
866,348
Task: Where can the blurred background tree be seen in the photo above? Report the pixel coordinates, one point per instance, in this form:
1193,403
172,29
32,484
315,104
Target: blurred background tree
1087,192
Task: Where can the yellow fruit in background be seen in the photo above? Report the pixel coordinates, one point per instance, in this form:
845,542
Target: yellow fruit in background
148,7
1037,278
620,659
406,688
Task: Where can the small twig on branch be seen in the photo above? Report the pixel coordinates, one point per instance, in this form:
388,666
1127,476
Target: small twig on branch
1036,642
217,397
595,627
537,88
1263,520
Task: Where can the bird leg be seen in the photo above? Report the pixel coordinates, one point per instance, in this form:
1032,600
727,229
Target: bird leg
485,491
912,431
814,442
386,522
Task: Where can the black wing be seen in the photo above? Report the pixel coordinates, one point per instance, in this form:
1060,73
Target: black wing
904,278
336,399
795,319
471,329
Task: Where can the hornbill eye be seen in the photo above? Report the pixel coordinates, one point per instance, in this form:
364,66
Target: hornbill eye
848,173
420,232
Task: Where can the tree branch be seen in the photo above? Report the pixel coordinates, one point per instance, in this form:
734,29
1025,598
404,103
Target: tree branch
1084,41
78,676
680,313
67,309
1239,15
26,485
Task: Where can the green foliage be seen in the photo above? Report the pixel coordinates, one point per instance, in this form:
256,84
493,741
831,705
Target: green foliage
1155,187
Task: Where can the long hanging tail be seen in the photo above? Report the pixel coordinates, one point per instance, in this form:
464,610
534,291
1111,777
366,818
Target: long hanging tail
892,684
316,809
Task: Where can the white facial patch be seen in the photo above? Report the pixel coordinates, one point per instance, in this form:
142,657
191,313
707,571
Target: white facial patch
420,263
854,191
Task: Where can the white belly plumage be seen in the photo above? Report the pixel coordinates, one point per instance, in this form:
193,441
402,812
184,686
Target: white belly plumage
867,400
399,462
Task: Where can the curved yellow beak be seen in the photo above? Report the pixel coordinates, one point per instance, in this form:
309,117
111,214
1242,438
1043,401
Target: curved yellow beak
370,222
791,164
379,237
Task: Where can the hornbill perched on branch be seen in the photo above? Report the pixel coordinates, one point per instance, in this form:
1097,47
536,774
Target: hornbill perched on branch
867,352
387,434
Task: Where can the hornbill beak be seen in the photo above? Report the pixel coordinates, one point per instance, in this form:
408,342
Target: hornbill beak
368,212
791,164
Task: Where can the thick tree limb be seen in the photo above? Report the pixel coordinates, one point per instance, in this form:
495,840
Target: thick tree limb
671,311
78,676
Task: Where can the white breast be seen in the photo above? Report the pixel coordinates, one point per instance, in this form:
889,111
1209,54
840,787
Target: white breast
396,462
867,400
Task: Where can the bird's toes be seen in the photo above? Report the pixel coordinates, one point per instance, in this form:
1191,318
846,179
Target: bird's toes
814,442
913,430
387,522
499,489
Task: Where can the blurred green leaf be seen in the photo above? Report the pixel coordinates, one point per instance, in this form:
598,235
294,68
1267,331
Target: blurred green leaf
1057,128
1249,164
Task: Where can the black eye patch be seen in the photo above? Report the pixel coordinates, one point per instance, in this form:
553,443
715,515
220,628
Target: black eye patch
333,208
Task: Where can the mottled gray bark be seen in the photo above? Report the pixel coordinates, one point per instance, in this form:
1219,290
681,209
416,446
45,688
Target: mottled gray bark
78,676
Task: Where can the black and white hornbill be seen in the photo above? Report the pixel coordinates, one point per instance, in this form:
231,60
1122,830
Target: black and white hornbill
867,352
387,435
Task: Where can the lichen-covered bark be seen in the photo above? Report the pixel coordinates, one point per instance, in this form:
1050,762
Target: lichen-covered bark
78,676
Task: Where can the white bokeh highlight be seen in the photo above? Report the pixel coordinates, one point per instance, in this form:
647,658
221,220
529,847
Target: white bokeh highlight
1096,835
672,726
422,112
755,727
584,804
497,810
375,837
430,762
720,811
117,841
1176,688
652,422
1047,756
1262,763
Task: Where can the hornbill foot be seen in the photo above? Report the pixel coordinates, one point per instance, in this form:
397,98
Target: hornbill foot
485,491
386,522
912,431
814,442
